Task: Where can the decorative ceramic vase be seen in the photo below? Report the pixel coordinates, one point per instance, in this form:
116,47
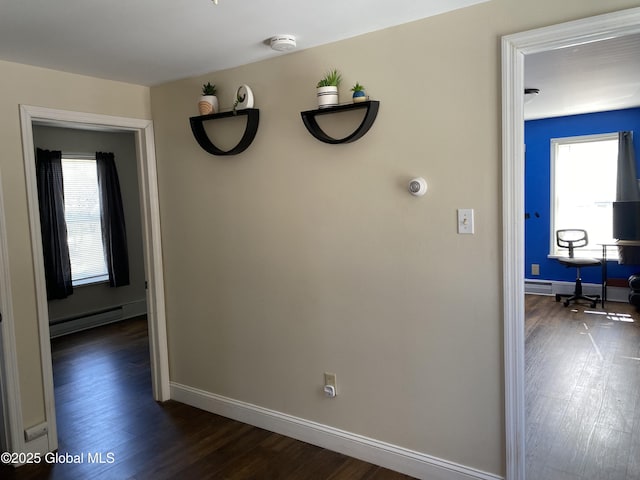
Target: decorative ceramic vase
244,97
359,96
208,104
327,97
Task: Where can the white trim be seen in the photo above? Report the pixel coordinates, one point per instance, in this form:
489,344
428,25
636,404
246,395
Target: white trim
150,204
12,427
514,48
143,130
370,450
513,253
26,117
37,445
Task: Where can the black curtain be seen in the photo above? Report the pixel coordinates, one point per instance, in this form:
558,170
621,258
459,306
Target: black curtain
627,189
627,186
114,232
57,264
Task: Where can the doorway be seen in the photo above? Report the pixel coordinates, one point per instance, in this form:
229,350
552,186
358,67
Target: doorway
514,49
150,218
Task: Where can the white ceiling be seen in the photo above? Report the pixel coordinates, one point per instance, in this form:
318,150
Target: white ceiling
149,42
592,77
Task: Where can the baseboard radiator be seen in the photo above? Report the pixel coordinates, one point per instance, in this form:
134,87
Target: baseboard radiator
539,287
551,287
64,326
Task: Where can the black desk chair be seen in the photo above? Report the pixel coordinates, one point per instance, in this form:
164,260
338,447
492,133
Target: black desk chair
575,238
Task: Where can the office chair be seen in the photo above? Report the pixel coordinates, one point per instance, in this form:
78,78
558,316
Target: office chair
571,239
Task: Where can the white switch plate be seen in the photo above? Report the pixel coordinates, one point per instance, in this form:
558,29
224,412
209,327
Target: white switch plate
465,221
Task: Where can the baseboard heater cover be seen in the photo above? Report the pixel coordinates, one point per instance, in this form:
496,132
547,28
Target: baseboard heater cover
540,287
83,322
551,287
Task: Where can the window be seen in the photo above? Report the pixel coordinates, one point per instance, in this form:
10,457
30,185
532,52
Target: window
82,214
583,189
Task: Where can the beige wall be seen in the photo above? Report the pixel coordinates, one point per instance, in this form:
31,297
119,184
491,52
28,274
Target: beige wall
21,84
297,257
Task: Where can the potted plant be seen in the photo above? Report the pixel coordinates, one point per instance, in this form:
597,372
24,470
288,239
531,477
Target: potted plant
327,89
208,101
359,95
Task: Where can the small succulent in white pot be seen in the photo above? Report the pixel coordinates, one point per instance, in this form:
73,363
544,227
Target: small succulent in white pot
208,101
327,89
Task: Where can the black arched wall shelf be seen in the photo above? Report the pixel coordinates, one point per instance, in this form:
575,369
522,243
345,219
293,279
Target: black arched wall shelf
309,119
197,127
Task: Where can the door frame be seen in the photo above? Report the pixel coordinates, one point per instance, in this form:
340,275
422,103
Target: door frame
12,425
148,184
514,49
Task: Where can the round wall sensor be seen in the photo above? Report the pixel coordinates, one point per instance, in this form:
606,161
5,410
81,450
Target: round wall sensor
418,186
283,43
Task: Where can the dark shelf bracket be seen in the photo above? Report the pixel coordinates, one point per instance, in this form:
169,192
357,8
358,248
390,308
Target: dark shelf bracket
197,127
309,119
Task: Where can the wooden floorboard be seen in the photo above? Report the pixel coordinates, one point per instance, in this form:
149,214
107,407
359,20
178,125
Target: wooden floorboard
582,370
104,406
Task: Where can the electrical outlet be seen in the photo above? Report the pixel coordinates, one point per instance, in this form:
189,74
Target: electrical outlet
330,379
330,386
535,269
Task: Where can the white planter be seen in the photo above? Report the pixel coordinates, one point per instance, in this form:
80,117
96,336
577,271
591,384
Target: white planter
327,97
208,104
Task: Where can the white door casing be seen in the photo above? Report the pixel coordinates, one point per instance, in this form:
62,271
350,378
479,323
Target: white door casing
12,425
514,49
147,174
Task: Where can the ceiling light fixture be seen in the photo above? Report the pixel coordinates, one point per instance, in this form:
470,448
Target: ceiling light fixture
530,94
283,43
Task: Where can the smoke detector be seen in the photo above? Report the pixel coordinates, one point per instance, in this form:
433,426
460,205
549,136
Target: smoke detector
283,43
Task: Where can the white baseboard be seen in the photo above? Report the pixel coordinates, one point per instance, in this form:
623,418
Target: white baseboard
38,445
390,456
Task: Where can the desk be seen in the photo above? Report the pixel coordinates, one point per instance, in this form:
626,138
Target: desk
617,243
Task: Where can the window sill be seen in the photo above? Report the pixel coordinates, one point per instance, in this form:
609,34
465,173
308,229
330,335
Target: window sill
86,282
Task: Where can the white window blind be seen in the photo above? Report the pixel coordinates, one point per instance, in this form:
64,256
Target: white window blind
82,213
583,189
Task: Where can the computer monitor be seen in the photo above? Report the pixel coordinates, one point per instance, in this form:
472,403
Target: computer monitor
626,220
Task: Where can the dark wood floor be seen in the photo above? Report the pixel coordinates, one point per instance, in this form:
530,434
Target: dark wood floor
104,405
582,391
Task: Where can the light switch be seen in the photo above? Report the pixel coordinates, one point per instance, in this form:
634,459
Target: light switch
465,221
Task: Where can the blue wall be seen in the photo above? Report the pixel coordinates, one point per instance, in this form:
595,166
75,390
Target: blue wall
538,135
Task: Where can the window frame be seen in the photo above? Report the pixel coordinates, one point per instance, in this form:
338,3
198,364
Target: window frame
591,250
